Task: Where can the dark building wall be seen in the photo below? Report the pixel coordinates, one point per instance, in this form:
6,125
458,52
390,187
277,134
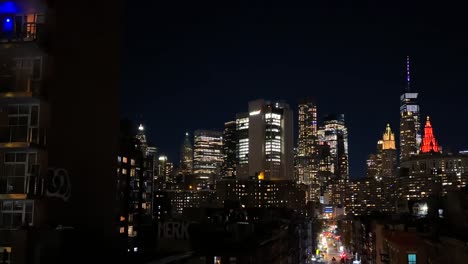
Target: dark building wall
84,43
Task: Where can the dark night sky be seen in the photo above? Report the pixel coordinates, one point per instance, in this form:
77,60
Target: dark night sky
195,64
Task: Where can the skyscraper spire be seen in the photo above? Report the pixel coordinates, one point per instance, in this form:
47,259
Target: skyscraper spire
408,76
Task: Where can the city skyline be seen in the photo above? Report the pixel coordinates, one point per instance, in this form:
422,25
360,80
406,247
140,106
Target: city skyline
223,133
249,57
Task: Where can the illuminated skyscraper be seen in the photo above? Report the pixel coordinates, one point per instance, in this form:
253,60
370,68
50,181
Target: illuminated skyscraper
429,143
141,139
207,157
169,170
388,154
324,173
307,121
306,160
384,162
230,147
270,141
335,134
242,147
186,156
307,142
410,126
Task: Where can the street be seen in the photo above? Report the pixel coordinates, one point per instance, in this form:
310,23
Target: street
330,248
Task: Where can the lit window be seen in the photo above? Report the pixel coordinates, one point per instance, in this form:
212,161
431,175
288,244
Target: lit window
124,160
122,230
411,258
124,171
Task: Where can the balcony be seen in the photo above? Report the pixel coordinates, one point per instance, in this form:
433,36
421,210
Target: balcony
22,137
21,27
16,82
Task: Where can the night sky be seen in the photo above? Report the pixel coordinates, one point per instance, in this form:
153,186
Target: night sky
194,64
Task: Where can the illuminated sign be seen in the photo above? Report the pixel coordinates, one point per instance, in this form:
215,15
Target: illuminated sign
253,113
328,209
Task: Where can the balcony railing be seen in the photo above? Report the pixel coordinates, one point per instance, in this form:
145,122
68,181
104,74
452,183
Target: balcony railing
22,136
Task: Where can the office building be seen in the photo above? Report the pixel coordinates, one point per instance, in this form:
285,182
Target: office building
410,127
242,148
186,156
374,165
429,143
324,173
134,184
334,134
164,176
306,159
207,157
270,141
142,144
388,154
183,199
307,122
230,148
259,193
169,171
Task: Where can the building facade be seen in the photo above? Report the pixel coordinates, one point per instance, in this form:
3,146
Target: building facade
230,148
270,141
24,115
186,156
410,126
334,134
242,147
135,185
207,157
254,193
306,159
383,163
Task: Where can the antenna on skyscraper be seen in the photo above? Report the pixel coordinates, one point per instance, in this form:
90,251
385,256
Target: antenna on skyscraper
408,76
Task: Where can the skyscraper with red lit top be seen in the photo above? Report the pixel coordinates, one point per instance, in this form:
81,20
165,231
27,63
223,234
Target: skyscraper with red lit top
429,142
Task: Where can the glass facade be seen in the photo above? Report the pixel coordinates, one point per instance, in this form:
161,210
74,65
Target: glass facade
207,156
273,142
306,161
242,129
230,148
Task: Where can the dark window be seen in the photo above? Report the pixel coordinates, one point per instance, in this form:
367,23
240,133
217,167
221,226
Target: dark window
36,69
24,109
34,115
20,157
10,157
